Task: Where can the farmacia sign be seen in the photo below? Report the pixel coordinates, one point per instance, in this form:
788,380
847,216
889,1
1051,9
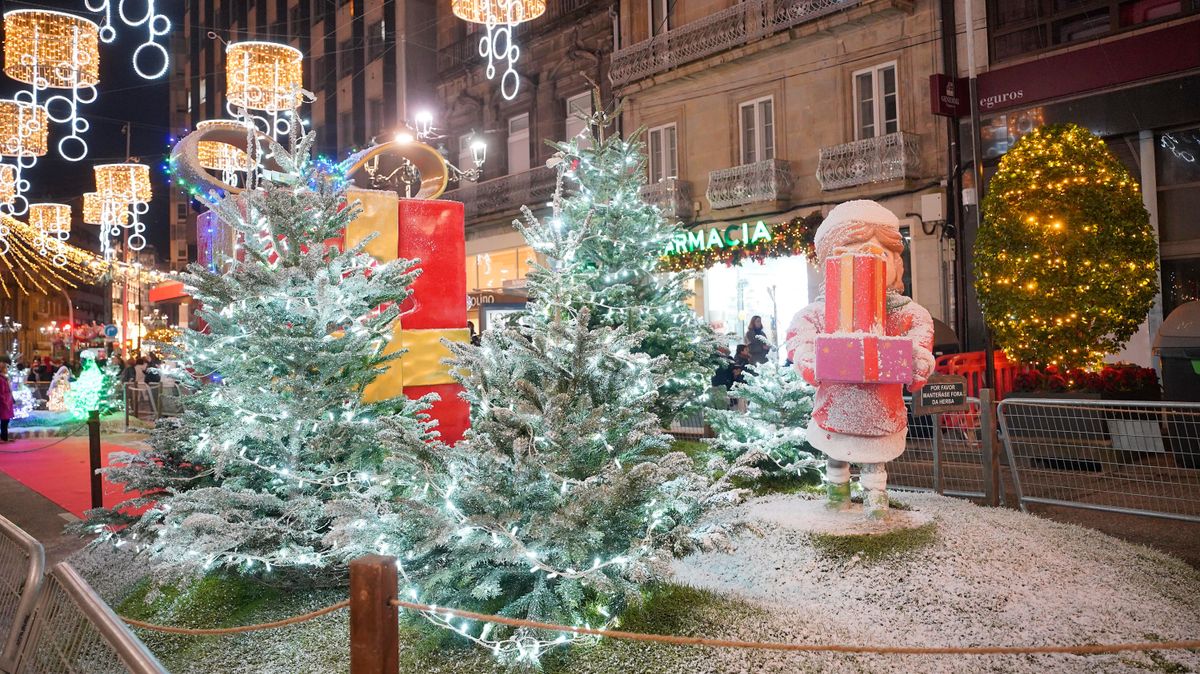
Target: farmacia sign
717,237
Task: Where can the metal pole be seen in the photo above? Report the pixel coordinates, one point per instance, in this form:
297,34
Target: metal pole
94,458
954,211
71,322
989,372
989,440
937,454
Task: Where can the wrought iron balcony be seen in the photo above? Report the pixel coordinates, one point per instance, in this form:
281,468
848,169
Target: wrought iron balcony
740,24
763,181
672,196
506,194
894,156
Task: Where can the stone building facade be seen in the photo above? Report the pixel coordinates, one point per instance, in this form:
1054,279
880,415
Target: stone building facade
765,110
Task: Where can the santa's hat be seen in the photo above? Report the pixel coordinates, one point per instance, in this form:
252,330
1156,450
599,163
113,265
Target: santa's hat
844,223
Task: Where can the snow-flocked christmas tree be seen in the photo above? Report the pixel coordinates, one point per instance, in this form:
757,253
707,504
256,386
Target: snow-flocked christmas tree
620,277
277,461
563,494
767,440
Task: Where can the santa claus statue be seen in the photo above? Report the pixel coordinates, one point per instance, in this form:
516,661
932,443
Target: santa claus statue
860,343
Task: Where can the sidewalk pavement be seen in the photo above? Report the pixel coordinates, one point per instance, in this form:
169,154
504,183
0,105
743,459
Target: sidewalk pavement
40,517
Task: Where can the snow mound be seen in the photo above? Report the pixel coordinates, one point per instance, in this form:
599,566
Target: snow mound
992,576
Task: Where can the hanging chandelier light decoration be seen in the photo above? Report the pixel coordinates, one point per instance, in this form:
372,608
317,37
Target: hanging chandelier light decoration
24,135
53,225
55,50
98,211
219,156
497,45
264,77
8,197
125,190
150,59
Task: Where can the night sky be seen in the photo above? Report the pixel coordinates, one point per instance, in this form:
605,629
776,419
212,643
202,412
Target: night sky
121,96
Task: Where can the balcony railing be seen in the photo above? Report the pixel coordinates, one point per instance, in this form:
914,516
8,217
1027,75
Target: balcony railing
894,156
763,181
507,194
672,196
733,27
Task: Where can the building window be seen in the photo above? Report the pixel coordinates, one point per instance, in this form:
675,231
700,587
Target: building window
518,144
376,39
876,106
295,25
466,159
1176,157
375,114
181,212
664,161
345,58
579,108
203,90
756,121
660,16
1018,27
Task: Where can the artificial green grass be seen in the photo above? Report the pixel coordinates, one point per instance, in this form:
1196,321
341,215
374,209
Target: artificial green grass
875,547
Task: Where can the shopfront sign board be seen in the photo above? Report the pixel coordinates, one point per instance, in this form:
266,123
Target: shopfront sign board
719,237
942,393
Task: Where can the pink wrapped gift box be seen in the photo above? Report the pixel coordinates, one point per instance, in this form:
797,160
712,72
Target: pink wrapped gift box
864,359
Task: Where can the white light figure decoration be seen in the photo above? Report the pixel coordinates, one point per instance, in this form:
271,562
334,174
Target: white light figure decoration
54,50
500,18
124,191
53,225
156,25
24,135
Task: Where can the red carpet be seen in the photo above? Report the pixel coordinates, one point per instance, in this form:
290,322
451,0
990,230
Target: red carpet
60,471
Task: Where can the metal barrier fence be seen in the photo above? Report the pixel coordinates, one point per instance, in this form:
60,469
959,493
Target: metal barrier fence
73,631
1119,456
947,453
152,401
22,562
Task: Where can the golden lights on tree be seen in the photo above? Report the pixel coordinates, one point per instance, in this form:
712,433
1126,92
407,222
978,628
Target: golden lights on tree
1066,262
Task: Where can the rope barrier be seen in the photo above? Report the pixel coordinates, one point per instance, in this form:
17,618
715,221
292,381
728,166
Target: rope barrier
1087,649
345,603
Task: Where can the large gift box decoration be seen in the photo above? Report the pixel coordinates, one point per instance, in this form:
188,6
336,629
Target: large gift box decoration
855,348
430,230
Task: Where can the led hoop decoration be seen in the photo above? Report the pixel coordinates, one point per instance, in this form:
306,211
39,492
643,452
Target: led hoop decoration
24,134
125,188
53,225
157,25
389,158
185,156
500,17
223,157
53,50
266,77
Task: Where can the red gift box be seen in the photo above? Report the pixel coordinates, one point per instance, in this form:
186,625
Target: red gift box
863,359
855,293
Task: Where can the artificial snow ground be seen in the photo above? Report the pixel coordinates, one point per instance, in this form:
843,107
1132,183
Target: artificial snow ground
988,577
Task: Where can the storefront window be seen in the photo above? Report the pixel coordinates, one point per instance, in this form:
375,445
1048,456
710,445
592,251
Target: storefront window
775,290
1176,158
490,271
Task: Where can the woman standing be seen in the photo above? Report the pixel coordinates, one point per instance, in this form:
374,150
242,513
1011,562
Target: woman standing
6,401
756,341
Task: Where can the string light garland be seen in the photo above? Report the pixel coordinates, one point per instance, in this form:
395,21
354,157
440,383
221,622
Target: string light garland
794,237
500,18
55,50
156,25
1066,262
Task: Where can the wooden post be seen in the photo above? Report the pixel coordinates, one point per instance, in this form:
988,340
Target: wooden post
374,622
991,447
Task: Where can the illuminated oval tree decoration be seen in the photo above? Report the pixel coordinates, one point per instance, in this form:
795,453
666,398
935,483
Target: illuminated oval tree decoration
1066,263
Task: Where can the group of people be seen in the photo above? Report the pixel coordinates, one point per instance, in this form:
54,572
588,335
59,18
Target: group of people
753,351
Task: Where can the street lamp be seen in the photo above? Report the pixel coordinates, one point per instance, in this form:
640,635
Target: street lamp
10,327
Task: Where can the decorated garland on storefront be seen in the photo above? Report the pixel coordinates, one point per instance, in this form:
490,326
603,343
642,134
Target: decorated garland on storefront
794,237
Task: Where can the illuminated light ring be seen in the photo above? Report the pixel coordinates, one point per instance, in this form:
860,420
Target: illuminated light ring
429,163
157,25
510,81
185,156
